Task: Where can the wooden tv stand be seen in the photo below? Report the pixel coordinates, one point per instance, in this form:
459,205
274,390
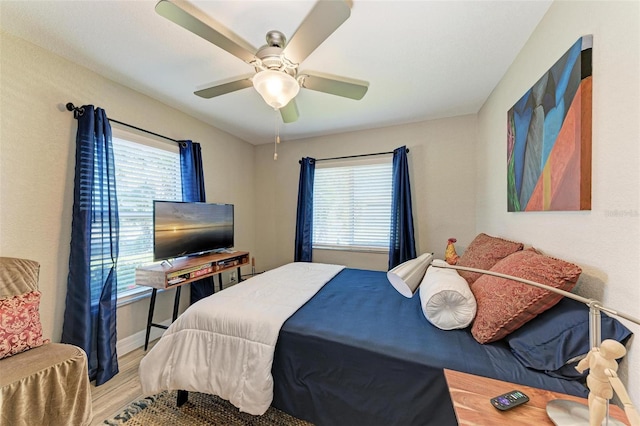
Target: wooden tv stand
188,269
183,271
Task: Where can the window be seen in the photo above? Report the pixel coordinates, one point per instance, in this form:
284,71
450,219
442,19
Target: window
146,170
352,205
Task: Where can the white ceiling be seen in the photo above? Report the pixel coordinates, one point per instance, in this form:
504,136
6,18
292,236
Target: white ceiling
422,59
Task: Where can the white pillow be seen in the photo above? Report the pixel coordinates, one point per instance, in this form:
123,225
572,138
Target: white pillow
406,276
446,299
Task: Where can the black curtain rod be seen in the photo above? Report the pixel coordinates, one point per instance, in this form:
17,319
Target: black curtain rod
354,156
79,111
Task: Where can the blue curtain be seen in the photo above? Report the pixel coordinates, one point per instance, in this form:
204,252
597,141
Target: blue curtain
90,311
191,172
402,246
193,191
304,217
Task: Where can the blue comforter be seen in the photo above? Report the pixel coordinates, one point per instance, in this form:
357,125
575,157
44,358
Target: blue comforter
360,353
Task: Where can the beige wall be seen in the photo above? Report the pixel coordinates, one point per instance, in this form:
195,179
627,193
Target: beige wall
37,154
441,166
606,240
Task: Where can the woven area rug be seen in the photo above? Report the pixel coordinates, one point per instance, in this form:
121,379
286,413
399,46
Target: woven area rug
201,409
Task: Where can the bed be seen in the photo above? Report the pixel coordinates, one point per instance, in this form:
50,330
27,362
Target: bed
353,352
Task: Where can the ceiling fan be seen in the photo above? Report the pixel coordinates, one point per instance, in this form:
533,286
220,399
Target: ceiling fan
276,77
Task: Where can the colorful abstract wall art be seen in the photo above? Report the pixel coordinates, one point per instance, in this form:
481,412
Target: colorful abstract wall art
549,138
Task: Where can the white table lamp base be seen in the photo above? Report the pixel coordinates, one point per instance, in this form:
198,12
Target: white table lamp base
570,413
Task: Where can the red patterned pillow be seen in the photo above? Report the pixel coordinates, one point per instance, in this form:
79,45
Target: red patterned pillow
20,327
484,252
505,305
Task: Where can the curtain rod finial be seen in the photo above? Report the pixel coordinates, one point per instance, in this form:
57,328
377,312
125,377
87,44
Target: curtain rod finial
77,111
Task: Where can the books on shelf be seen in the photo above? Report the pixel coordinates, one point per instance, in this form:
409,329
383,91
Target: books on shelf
201,272
187,271
186,274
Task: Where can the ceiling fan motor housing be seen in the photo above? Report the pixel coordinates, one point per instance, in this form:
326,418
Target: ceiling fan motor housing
272,58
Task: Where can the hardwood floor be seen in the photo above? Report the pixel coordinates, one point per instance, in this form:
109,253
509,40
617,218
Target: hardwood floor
111,397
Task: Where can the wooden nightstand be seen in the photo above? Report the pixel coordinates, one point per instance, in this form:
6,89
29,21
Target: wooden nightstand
470,396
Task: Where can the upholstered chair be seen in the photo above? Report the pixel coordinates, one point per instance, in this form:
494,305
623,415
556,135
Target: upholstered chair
41,383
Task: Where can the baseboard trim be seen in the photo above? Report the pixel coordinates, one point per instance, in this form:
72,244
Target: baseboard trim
136,340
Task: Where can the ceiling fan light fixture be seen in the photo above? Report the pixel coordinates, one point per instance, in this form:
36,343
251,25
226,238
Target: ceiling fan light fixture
277,88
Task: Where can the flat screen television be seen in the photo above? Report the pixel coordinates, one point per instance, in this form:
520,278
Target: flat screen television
185,229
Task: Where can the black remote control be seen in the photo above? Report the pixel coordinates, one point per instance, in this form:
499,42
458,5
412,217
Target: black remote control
509,400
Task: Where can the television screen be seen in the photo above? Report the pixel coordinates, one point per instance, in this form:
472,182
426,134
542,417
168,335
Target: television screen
183,229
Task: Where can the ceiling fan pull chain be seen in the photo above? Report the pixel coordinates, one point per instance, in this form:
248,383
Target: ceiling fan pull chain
277,138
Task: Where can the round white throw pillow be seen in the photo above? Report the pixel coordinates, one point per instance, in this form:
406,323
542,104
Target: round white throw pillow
446,299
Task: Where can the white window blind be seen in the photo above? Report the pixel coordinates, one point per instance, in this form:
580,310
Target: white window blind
145,171
352,205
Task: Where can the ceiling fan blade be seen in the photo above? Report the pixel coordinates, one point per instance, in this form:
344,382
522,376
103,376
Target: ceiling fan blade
289,112
340,86
221,89
192,19
325,17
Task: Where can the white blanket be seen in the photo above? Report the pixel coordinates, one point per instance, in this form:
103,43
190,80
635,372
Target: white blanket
224,344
